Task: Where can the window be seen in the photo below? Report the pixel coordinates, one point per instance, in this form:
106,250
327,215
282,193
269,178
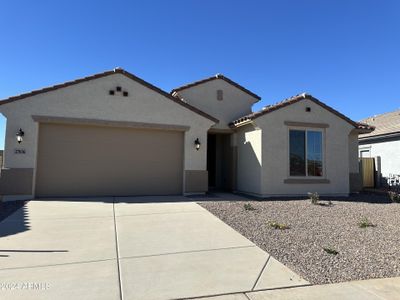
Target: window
305,152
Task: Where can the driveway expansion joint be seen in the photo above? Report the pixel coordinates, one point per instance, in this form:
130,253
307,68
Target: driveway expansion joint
162,213
117,252
61,264
282,288
261,272
370,292
243,292
62,218
247,297
186,252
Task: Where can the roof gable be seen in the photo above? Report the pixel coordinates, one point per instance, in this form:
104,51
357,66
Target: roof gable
216,77
270,108
104,74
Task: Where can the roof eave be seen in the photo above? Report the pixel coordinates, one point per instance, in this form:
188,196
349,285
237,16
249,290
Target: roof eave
363,130
379,136
104,74
240,124
218,76
296,99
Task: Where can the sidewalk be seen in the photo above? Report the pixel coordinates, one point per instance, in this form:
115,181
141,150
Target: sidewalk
372,289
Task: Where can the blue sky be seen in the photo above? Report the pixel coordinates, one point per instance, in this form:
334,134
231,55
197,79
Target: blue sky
345,53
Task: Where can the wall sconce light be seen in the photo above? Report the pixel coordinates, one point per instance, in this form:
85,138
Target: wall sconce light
197,144
20,135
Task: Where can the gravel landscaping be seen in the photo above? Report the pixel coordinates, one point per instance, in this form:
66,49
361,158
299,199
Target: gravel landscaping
362,251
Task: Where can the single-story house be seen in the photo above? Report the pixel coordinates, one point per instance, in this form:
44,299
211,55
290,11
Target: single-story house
114,134
384,144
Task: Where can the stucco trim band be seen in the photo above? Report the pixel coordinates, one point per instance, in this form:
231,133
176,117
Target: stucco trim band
98,122
196,181
305,181
303,124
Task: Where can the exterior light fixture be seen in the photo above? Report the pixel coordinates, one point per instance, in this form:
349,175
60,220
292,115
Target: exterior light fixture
197,144
20,135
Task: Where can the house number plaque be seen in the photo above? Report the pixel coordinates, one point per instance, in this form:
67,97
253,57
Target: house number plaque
19,151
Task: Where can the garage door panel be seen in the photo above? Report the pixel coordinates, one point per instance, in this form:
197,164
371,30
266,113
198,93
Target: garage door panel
94,161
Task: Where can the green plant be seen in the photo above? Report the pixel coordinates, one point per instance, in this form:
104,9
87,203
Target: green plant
248,206
364,223
330,250
395,197
314,197
277,225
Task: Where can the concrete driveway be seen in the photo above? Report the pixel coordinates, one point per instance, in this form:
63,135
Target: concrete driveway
115,248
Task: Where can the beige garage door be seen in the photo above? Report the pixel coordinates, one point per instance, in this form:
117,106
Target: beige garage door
80,160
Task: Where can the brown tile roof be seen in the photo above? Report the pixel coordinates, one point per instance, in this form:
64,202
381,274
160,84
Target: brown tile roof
107,73
385,124
218,76
292,100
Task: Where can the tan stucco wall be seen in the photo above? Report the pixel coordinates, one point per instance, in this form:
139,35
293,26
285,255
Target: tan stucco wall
355,179
353,152
275,151
235,103
249,159
16,181
91,100
196,181
388,151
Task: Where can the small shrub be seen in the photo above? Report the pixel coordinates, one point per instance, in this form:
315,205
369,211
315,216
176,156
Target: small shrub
330,250
364,223
314,197
280,226
394,197
248,206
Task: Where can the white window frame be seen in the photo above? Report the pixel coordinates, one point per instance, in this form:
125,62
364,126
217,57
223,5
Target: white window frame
306,129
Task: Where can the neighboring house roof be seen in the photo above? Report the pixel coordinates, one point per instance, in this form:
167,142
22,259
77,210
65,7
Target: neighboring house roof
387,124
104,74
270,108
218,76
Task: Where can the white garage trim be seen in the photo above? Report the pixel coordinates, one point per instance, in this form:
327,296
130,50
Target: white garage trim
98,122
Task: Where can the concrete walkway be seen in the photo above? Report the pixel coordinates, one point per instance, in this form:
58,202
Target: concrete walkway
372,289
113,248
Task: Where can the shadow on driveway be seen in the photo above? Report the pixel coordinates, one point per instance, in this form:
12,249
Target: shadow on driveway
13,218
